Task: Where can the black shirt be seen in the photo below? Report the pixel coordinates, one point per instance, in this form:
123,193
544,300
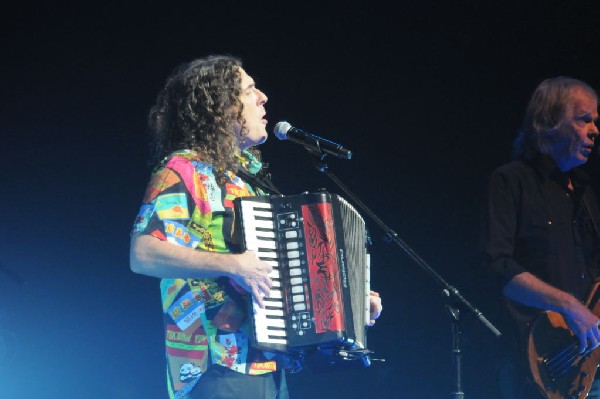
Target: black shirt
535,223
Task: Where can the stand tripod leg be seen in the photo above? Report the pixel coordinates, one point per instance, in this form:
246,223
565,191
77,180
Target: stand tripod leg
454,313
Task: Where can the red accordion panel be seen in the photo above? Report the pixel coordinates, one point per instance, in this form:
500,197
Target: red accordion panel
323,267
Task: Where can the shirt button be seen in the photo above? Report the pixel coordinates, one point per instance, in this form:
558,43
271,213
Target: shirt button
549,221
582,276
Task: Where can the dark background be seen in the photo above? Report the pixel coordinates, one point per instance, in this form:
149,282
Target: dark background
428,95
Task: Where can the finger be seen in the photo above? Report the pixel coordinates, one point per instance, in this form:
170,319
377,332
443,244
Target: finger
258,296
264,289
373,293
582,343
375,315
268,268
371,323
596,338
376,308
269,282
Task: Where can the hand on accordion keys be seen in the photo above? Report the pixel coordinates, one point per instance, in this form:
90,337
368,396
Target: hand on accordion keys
376,306
252,275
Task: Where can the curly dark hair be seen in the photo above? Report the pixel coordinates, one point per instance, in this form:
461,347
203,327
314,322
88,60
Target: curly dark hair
195,111
544,113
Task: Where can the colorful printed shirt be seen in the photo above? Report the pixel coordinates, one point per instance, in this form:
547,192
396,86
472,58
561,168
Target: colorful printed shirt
205,319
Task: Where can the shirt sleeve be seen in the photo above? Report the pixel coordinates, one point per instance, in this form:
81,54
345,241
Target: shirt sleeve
499,228
167,207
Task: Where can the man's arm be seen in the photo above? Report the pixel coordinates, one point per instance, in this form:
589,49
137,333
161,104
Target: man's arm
153,257
527,289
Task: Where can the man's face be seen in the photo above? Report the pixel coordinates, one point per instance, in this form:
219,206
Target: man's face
577,130
254,129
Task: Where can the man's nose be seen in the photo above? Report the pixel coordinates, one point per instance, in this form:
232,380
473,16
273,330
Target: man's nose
262,98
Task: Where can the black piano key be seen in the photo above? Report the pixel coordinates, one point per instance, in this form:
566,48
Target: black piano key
273,328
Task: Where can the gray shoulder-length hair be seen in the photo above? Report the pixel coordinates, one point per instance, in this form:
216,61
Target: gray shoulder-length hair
544,113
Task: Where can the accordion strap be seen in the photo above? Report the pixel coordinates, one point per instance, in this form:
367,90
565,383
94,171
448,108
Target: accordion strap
264,184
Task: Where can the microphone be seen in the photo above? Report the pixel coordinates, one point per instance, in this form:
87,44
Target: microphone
312,142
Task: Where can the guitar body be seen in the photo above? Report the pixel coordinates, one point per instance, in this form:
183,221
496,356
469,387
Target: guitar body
554,360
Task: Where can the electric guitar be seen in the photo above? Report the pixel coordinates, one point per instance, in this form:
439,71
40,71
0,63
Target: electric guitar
556,365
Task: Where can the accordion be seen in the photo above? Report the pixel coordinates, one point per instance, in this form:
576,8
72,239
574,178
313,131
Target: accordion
318,307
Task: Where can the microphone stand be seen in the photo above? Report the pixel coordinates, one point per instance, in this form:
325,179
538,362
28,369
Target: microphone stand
452,293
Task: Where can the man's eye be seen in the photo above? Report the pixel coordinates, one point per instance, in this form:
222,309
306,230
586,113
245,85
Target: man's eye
584,121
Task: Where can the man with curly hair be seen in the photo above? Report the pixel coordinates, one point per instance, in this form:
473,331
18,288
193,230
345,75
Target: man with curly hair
206,124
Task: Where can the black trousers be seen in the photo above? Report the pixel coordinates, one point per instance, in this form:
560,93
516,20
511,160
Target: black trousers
219,382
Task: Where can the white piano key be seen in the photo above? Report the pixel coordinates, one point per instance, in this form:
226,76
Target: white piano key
277,323
262,244
279,333
294,263
254,244
273,303
265,234
274,273
253,203
262,213
271,262
265,224
248,207
292,245
274,294
267,254
272,312
251,245
296,271
273,300
259,320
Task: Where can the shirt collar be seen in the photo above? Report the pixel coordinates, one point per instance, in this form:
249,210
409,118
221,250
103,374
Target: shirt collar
249,162
547,169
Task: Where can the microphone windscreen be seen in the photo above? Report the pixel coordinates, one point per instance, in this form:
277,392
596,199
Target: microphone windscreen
281,130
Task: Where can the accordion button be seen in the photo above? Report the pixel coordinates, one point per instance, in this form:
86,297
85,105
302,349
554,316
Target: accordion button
295,281
297,289
298,298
